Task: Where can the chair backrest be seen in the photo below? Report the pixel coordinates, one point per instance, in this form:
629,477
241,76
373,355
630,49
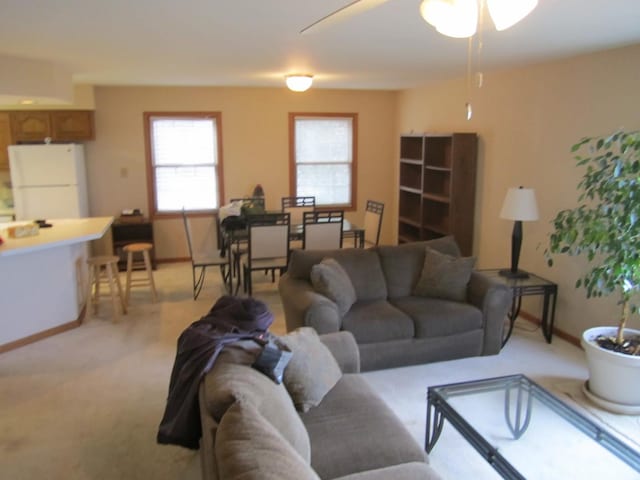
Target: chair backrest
373,221
296,206
322,230
268,236
187,231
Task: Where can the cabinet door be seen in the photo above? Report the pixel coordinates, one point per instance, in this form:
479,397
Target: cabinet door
72,125
5,140
30,126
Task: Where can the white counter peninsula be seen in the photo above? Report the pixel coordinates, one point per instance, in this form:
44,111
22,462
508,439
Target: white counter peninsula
43,279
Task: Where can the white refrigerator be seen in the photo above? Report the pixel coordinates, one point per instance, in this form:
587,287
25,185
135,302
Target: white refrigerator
48,181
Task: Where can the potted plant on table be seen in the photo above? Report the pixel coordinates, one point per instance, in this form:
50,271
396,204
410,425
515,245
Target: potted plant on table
605,227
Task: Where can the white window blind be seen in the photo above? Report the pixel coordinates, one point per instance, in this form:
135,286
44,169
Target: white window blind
324,158
185,163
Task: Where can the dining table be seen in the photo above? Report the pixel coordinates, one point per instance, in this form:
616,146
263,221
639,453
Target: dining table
236,236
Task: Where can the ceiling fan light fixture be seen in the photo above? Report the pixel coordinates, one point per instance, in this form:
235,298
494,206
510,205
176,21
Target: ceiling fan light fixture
506,13
299,82
453,18
459,18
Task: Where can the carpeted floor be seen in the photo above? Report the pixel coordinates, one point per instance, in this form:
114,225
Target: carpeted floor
86,404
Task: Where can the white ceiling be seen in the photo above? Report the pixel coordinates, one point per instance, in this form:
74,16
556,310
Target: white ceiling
256,42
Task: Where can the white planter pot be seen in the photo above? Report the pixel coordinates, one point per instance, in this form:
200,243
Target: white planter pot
614,377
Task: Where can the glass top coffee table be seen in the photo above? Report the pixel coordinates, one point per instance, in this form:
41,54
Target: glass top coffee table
525,432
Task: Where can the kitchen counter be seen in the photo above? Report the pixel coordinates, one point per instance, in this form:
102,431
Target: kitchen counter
63,232
44,279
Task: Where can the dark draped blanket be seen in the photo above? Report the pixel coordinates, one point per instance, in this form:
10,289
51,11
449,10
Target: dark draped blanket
230,319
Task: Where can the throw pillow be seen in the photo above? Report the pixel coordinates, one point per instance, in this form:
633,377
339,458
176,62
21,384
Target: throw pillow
312,370
248,447
444,276
331,280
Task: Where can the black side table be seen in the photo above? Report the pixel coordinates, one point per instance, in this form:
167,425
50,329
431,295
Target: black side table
124,233
533,285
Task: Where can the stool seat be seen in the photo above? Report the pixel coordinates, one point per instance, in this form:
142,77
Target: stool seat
138,247
104,269
144,248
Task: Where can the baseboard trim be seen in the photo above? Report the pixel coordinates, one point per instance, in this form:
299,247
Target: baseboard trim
21,342
173,260
556,331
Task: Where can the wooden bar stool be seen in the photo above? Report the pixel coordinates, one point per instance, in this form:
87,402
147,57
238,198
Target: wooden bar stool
104,269
143,248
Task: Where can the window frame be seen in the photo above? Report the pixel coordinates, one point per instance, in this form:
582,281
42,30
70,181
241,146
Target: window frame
293,181
151,170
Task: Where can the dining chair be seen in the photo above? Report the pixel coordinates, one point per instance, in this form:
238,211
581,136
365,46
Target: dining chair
268,246
372,226
296,206
201,259
322,229
372,222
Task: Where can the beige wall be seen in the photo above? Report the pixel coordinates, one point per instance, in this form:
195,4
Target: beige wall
527,120
255,146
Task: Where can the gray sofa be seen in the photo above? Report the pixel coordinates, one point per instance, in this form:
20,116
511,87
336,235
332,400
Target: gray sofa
392,326
252,430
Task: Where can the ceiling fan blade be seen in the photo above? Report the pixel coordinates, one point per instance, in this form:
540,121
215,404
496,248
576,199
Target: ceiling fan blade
350,9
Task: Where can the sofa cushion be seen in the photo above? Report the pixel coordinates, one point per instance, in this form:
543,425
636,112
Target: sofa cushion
362,266
405,471
312,371
228,382
248,447
444,276
364,435
434,317
402,264
330,279
377,321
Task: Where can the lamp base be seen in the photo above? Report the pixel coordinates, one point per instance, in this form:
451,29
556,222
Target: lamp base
511,274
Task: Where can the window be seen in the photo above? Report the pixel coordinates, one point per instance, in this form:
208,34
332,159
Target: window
184,161
323,157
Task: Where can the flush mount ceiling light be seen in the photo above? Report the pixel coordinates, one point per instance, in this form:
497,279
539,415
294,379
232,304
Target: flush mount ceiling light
459,18
298,82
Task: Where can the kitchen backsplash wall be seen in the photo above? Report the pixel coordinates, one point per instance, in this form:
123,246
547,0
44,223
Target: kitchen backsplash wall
6,198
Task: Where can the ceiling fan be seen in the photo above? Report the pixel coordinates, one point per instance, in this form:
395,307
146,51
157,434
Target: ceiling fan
453,18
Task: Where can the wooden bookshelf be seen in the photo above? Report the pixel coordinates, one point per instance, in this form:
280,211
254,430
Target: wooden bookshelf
437,187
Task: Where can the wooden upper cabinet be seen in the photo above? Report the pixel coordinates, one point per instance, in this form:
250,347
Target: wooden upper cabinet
30,126
59,125
5,140
72,125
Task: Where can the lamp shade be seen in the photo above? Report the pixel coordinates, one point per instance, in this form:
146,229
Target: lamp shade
506,13
453,18
299,83
459,18
520,205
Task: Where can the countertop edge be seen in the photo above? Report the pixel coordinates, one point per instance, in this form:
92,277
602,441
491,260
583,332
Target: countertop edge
48,244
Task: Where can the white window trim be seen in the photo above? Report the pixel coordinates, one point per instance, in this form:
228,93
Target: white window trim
151,167
293,187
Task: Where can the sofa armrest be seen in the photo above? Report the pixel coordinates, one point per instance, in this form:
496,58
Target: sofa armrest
344,348
494,299
304,307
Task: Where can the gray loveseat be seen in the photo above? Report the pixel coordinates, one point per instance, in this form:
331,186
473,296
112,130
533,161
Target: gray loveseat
251,429
392,326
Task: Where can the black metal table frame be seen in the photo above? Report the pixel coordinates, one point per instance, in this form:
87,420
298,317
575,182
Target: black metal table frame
525,390
548,290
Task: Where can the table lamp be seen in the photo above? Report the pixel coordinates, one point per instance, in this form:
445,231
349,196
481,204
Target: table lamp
519,205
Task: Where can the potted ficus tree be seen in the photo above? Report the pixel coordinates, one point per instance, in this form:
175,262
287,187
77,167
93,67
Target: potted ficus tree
605,227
